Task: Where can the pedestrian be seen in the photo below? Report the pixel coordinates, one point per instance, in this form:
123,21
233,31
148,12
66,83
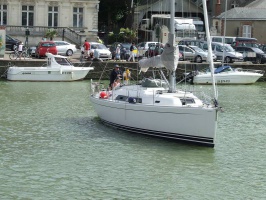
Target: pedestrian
99,40
20,49
117,52
126,76
87,47
132,54
82,54
114,74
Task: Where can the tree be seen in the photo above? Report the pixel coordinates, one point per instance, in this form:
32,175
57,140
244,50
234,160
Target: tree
51,33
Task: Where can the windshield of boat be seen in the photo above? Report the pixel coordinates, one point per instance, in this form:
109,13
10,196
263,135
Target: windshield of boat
228,48
62,61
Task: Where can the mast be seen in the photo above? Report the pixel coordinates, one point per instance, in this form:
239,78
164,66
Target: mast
172,77
209,47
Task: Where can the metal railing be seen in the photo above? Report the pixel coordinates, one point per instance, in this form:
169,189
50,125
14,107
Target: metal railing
70,33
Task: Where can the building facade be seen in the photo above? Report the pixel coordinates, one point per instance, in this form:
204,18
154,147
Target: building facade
79,16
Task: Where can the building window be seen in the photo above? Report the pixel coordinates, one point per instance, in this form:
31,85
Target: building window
3,14
246,31
27,15
53,16
234,4
77,17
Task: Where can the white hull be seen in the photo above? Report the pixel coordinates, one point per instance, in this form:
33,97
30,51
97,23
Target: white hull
228,78
47,74
58,68
187,123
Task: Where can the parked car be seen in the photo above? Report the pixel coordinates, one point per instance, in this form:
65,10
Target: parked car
32,51
11,43
112,48
198,43
65,48
263,47
154,50
245,42
104,52
225,51
144,46
43,47
193,53
252,54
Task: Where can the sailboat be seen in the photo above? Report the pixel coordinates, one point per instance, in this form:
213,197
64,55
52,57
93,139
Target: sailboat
155,107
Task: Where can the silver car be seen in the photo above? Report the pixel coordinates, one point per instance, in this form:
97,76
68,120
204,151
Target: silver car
194,53
65,48
224,52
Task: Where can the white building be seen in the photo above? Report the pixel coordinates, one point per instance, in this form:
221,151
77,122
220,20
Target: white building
78,18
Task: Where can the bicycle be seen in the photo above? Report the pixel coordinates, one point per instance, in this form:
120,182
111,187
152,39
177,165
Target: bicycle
16,54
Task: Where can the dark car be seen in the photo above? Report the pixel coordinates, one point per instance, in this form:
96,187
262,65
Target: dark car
252,54
44,47
11,43
263,47
154,50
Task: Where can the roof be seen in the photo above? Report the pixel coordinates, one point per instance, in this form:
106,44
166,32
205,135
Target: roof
255,10
257,4
244,13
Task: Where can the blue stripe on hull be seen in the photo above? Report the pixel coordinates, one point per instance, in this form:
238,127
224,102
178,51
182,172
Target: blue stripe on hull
204,141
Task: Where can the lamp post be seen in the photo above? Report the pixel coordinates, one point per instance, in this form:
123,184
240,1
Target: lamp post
157,31
27,33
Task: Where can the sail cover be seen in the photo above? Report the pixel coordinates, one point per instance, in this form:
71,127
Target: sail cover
168,59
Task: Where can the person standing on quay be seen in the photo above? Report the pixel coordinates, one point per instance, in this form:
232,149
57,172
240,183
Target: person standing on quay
99,40
20,49
117,52
87,47
132,54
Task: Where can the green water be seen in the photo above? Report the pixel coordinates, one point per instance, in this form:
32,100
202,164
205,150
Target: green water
52,146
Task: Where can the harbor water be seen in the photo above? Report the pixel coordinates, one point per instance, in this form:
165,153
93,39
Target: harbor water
53,146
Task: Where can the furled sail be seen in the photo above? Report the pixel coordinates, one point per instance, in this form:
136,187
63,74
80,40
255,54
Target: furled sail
168,59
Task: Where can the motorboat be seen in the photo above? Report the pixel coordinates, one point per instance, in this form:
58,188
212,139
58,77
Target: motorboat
57,68
227,75
155,106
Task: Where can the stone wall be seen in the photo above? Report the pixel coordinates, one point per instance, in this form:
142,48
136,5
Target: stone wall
102,69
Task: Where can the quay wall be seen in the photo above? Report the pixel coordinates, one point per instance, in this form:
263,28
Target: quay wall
102,69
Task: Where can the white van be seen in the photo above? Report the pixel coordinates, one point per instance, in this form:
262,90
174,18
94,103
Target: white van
225,51
223,39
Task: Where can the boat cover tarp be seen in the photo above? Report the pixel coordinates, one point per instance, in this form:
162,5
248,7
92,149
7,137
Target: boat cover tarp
168,59
220,69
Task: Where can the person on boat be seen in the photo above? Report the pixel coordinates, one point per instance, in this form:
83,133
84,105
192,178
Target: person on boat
116,83
126,76
114,74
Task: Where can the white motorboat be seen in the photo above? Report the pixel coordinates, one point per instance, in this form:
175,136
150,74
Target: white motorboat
227,75
57,68
155,107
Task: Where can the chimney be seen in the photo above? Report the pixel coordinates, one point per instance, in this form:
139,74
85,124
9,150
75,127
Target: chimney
218,8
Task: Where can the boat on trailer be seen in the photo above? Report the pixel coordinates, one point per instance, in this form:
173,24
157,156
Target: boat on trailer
57,68
155,106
